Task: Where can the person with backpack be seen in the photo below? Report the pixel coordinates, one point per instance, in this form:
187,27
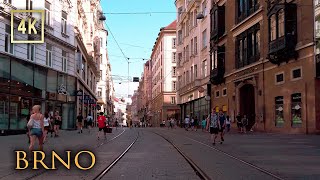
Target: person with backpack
89,122
214,126
101,125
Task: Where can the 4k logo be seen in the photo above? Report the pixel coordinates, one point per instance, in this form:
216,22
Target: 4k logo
28,26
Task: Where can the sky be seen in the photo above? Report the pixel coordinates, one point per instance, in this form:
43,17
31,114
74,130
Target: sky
135,34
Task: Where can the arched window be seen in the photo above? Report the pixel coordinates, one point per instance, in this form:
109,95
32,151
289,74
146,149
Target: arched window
273,27
281,23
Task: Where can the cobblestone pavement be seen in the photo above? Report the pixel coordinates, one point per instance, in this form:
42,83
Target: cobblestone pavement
241,156
288,156
151,157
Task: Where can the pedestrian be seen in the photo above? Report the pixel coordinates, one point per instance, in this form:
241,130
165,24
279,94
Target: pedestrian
214,126
101,125
171,123
196,123
222,122
116,124
51,123
85,122
239,122
36,126
203,123
192,123
57,123
89,122
186,123
244,124
46,124
228,123
79,122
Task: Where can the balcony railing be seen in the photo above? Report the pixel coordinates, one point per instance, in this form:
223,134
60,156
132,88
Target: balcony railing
217,75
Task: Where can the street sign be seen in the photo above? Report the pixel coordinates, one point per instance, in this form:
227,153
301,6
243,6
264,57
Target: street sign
135,79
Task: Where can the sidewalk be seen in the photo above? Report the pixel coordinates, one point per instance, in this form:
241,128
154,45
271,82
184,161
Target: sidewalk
67,140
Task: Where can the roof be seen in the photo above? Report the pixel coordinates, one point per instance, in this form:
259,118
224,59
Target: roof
172,26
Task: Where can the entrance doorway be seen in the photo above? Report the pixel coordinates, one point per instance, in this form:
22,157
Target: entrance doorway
247,103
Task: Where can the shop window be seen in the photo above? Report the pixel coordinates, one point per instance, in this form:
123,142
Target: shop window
296,74
40,78
296,110
280,78
21,78
52,81
279,107
4,111
4,74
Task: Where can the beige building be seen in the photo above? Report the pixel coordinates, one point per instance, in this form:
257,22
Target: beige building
193,33
164,72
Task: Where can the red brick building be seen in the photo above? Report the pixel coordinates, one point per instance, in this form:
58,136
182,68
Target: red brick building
263,63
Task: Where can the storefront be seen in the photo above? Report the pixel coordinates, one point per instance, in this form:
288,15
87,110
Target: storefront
197,108
25,84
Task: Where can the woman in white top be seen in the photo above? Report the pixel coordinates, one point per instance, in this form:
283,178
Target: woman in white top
46,124
37,128
228,123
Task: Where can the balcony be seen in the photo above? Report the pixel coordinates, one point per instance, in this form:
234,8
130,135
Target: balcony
217,14
282,49
217,75
318,65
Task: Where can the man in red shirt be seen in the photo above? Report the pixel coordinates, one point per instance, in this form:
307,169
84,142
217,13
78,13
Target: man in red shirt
102,125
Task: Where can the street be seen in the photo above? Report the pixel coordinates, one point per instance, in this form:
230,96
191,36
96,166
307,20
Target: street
153,155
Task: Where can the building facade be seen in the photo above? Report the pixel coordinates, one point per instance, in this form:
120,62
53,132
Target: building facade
263,64
49,74
164,73
193,57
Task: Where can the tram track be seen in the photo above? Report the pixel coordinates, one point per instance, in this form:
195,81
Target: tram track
260,169
114,162
199,172
41,172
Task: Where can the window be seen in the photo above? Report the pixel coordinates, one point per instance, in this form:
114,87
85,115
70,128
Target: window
100,74
204,39
174,71
296,74
31,51
174,85
224,92
64,61
180,37
273,27
204,68
8,1
99,92
296,110
64,22
214,59
248,47
245,8
204,8
173,100
195,18
9,47
191,47
195,45
48,13
187,77
179,13
281,23
217,94
173,43
279,107
191,73
49,55
29,4
174,57
280,78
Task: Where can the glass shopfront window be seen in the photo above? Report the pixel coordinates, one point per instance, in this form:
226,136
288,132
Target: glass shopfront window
296,110
52,81
279,118
71,88
40,81
21,78
4,111
19,111
4,74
